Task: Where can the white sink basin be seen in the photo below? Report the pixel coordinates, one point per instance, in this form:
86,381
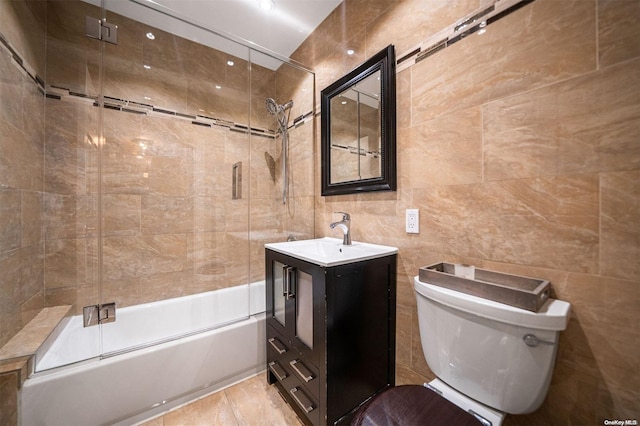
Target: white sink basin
330,251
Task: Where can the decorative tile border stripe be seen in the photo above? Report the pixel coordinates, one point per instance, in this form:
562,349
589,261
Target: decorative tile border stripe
302,119
355,150
133,107
474,22
21,64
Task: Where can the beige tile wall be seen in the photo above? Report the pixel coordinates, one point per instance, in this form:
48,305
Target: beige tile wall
21,181
169,224
21,167
170,227
521,148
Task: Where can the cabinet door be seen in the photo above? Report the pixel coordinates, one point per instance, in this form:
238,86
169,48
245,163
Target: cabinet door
295,303
360,333
281,296
308,310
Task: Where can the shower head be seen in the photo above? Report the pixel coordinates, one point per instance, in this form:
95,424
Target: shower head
274,108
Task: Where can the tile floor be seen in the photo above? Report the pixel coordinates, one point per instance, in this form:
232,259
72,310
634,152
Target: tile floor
250,402
253,402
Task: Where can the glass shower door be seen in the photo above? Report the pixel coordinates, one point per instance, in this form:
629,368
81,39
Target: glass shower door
164,172
174,201
282,156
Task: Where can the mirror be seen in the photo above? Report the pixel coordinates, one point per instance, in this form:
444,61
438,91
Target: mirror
358,128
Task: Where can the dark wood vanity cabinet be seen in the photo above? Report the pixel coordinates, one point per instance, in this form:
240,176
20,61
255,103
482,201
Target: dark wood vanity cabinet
330,334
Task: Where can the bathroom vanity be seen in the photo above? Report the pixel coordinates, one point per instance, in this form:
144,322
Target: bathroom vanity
330,325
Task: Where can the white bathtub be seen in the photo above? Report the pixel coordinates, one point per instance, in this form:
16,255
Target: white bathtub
126,387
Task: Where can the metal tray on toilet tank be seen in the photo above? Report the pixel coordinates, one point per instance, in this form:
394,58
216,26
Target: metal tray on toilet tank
521,292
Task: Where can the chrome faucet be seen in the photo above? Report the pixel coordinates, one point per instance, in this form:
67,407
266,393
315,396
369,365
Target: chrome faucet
344,224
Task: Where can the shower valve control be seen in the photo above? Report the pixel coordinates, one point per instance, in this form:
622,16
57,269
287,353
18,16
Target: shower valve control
413,221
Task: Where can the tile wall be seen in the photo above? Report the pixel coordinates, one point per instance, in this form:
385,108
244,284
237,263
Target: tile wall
170,226
521,148
21,180
21,165
172,134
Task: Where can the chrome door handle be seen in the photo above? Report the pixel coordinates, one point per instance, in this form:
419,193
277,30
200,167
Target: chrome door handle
289,282
285,281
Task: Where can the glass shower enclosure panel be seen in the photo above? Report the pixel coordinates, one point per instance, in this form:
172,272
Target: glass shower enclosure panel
172,155
282,154
71,199
175,178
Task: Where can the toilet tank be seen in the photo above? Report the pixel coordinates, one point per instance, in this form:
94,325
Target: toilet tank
485,349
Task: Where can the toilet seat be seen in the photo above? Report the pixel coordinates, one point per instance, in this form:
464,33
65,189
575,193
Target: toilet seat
487,415
411,405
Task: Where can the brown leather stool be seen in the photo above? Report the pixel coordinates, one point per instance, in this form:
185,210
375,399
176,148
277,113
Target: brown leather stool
411,405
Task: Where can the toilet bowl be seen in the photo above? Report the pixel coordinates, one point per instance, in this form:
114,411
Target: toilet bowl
489,359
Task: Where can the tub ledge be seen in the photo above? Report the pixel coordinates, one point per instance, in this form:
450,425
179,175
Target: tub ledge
16,356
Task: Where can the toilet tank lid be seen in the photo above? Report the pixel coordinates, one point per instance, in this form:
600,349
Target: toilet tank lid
553,315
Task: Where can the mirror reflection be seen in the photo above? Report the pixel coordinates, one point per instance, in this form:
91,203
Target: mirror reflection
355,132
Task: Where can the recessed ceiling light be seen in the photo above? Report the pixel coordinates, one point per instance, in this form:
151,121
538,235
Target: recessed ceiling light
350,52
218,86
147,67
150,36
230,63
267,5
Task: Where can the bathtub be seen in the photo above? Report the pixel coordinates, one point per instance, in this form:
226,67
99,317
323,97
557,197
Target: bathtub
123,386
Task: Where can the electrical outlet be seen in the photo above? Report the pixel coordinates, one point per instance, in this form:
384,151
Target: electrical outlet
413,221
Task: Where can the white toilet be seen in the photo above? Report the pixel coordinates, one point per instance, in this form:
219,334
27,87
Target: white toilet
490,359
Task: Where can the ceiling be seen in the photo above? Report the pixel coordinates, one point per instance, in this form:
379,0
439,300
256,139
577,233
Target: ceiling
280,30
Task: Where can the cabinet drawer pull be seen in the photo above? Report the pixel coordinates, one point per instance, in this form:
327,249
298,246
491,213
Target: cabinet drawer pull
302,371
278,371
302,400
277,345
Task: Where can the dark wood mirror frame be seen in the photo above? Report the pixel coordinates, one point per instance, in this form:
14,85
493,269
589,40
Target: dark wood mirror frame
384,61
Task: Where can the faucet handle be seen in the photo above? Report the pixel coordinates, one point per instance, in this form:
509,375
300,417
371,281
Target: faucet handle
345,216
